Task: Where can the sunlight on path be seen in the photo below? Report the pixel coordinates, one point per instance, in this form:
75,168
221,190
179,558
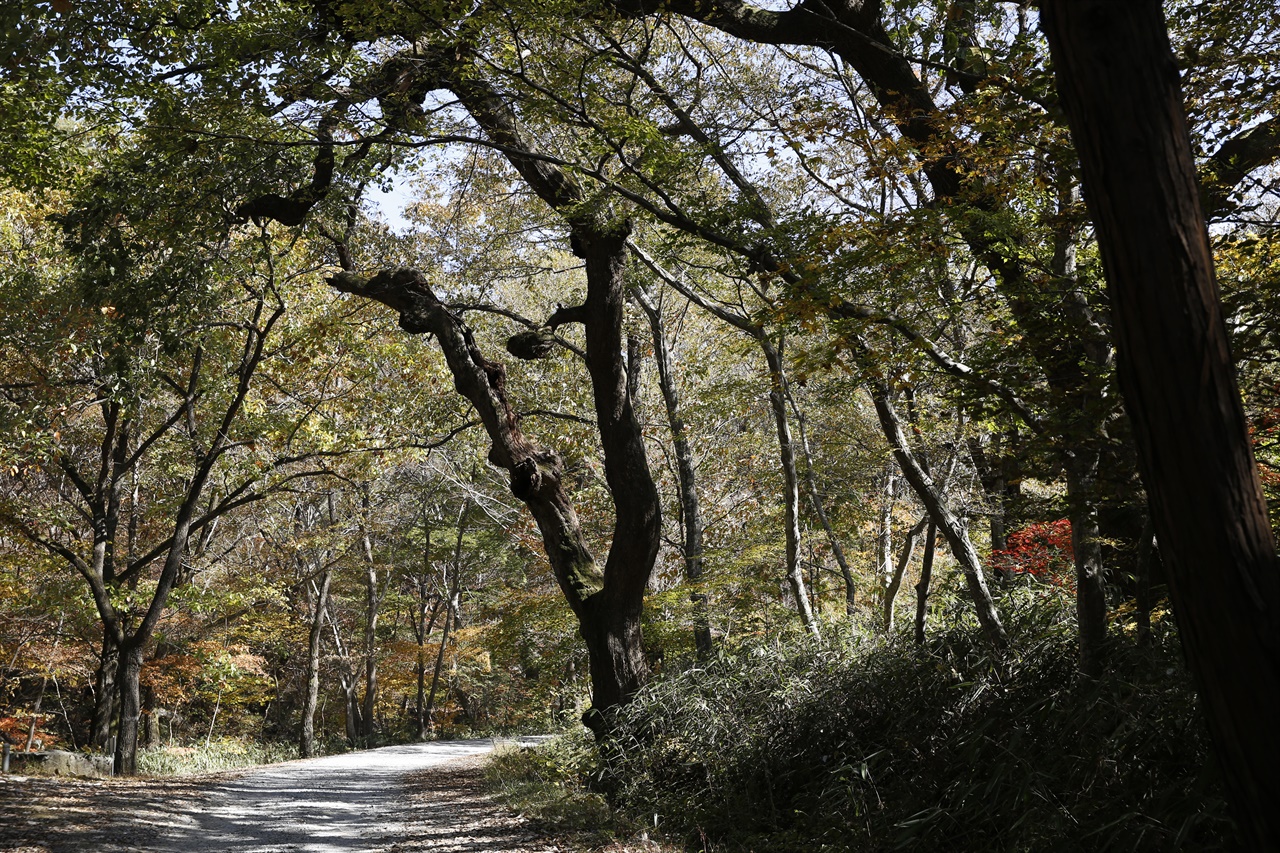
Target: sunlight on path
337,804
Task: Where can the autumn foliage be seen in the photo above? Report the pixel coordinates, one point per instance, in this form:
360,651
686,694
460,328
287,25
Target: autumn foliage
1041,550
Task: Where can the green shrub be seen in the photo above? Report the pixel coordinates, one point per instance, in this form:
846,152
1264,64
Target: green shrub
949,747
210,757
555,784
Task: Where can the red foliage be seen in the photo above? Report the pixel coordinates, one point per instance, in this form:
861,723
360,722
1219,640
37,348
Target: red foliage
1042,550
14,730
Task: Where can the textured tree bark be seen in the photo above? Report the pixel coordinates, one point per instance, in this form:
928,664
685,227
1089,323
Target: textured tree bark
105,693
126,757
1119,84
611,618
607,603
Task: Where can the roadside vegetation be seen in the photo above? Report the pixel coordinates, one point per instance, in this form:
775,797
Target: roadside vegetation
869,744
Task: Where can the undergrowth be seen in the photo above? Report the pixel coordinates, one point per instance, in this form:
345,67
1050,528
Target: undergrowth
207,758
553,785
886,745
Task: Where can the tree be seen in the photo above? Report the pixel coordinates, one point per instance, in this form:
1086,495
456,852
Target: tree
1119,84
140,430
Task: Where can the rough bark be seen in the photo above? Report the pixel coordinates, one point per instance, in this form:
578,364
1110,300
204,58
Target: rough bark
104,691
1119,84
130,671
607,603
611,619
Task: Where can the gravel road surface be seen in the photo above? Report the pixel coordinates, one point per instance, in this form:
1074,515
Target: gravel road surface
396,799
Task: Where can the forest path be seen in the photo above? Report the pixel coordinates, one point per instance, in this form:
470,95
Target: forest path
395,799
349,802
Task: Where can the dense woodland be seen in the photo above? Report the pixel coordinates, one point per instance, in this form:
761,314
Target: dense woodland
380,370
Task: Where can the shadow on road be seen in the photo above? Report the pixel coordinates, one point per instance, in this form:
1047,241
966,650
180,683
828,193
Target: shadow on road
339,804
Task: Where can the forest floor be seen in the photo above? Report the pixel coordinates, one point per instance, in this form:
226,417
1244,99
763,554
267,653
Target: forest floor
403,799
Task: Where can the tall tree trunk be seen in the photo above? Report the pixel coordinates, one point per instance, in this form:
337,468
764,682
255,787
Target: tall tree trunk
373,604
926,578
952,529
453,584
129,678
354,717
690,508
348,679
320,601
429,712
106,691
427,624
899,571
884,530
790,480
1078,388
611,618
1086,542
1119,85
424,621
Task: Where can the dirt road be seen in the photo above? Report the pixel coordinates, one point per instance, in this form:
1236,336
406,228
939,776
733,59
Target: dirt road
391,800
